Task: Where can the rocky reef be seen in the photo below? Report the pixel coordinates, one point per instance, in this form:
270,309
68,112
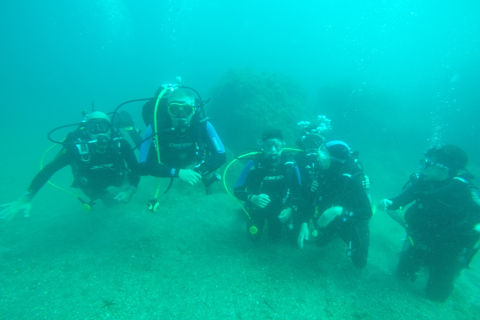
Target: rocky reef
246,102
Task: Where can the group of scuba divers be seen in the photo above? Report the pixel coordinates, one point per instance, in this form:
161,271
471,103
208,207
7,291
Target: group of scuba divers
318,191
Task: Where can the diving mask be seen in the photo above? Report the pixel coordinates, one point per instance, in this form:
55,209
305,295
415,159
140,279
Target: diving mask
95,126
427,163
181,109
272,144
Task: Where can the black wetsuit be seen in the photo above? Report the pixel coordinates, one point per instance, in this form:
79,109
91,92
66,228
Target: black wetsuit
93,171
198,146
337,188
440,226
279,178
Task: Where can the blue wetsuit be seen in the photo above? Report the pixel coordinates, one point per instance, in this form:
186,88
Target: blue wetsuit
278,178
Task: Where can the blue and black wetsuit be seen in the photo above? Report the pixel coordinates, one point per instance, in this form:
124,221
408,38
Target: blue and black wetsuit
440,226
280,180
94,170
198,146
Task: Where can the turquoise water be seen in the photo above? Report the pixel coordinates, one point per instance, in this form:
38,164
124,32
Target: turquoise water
394,76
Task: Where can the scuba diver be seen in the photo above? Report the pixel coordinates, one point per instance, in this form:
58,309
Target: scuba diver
442,223
98,158
180,141
269,184
333,197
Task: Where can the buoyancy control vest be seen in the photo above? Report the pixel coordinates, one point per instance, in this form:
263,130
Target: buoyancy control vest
94,167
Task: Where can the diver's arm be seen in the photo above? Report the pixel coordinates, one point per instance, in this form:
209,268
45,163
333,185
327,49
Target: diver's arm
351,203
295,188
217,152
303,209
158,170
241,190
404,198
306,201
290,206
23,204
132,163
153,168
211,164
357,205
62,159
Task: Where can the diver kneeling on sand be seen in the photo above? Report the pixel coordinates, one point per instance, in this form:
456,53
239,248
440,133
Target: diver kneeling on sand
270,186
443,221
335,199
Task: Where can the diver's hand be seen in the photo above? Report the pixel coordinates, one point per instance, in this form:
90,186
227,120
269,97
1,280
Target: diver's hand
285,215
189,176
314,186
261,200
396,215
9,210
125,196
303,235
328,216
384,204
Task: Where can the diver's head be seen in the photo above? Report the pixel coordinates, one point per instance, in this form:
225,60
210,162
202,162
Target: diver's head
311,143
181,106
313,133
272,142
98,127
441,162
333,154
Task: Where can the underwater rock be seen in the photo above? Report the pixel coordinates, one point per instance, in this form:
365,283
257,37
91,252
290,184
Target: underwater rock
246,102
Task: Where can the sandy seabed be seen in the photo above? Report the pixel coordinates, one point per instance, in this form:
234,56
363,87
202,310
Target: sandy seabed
192,260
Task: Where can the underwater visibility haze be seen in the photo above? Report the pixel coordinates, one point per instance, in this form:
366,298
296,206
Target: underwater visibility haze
395,77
